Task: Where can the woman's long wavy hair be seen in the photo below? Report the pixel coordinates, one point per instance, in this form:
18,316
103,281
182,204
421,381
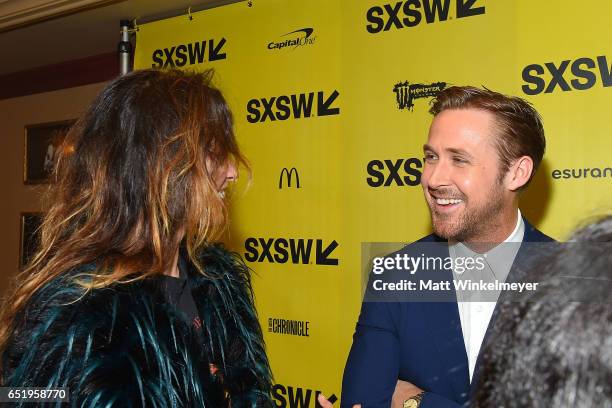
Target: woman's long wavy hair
134,181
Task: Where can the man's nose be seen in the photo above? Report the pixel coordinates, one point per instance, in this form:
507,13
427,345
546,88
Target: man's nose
438,174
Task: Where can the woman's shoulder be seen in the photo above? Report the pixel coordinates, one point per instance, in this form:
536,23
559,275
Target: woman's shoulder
59,293
224,275
220,262
65,302
54,315
71,287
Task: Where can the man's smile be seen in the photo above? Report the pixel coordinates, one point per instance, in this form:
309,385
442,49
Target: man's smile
444,203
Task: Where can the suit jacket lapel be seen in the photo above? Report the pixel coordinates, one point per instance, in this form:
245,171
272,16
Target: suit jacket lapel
533,242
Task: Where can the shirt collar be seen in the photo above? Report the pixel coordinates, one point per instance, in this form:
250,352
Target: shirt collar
519,230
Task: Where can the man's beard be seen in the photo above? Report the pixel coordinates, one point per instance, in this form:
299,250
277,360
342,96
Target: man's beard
471,222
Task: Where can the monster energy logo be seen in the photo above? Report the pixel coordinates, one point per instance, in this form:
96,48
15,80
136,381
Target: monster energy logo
405,93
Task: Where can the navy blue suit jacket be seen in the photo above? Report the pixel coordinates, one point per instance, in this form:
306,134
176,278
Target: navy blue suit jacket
419,342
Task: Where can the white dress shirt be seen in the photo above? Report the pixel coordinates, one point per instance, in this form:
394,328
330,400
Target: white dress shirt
476,309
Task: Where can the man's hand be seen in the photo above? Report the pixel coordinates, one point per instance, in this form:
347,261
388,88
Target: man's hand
326,404
403,391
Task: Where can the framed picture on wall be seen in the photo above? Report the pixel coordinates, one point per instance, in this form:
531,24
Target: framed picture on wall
29,238
42,144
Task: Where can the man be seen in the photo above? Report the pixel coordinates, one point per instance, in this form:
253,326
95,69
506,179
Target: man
483,149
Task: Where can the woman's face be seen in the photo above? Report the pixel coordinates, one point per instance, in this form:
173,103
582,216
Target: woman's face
223,175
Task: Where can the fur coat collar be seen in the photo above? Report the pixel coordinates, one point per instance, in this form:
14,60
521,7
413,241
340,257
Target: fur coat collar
125,346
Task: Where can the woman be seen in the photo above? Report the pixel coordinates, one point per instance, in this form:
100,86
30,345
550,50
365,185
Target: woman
129,302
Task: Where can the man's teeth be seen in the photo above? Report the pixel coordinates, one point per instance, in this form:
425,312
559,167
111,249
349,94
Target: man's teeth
447,201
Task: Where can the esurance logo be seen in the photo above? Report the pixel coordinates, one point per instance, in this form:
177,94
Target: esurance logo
189,54
582,173
293,250
410,13
406,93
297,397
400,172
580,74
294,39
296,106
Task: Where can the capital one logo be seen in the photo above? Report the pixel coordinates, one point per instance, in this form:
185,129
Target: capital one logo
302,37
288,174
579,74
410,13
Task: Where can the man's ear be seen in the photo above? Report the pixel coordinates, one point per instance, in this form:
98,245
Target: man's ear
518,173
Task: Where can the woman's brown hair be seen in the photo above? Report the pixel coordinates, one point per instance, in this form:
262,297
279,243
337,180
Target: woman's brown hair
135,179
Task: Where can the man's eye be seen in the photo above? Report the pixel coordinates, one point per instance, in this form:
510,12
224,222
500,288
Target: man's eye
430,157
459,160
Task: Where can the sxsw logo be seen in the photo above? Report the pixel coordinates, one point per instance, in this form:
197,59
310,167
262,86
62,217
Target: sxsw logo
296,251
579,74
406,93
296,106
297,397
297,38
400,172
288,175
410,13
189,54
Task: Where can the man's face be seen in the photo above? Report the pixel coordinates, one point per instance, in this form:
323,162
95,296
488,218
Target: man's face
461,176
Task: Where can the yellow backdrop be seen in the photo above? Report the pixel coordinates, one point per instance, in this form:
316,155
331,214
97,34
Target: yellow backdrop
330,99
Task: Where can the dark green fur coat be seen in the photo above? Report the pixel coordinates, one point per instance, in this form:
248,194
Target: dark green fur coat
124,346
